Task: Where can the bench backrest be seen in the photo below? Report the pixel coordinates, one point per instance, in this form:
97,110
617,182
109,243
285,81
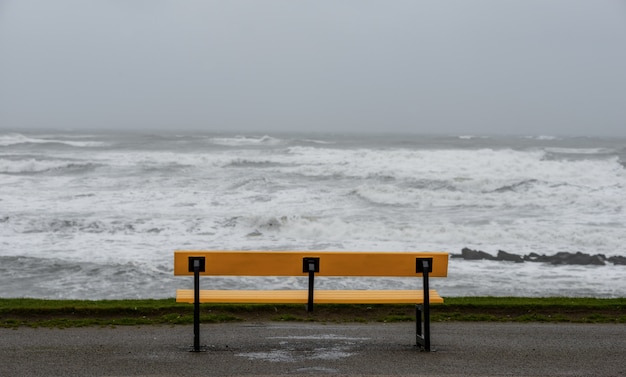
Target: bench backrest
290,263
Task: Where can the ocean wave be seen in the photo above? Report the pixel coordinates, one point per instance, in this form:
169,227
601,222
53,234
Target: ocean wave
472,137
65,225
239,141
295,228
34,166
163,168
245,163
583,151
321,142
523,185
16,139
542,138
385,196
59,278
251,182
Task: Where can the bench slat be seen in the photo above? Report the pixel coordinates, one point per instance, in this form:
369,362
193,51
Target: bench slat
289,263
300,296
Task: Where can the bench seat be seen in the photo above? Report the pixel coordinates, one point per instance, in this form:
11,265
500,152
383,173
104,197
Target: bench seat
301,296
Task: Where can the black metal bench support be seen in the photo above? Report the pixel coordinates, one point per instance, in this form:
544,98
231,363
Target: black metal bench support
422,312
311,265
196,265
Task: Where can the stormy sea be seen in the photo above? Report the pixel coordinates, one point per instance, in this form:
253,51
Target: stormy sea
99,215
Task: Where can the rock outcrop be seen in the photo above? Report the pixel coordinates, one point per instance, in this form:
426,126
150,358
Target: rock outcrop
560,258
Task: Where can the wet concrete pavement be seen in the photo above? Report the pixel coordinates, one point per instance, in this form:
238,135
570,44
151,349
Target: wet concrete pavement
263,349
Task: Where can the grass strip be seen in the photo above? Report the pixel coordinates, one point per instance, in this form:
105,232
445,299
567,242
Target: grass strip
29,312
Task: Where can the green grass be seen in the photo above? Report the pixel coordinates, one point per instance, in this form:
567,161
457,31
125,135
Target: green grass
549,309
537,301
106,313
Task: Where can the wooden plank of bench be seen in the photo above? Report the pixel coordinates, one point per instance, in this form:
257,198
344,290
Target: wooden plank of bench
300,296
289,263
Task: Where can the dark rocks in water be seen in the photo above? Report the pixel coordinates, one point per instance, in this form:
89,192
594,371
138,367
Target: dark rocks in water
504,256
470,254
565,257
619,260
560,258
583,259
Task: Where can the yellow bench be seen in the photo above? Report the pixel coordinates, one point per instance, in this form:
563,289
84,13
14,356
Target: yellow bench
312,264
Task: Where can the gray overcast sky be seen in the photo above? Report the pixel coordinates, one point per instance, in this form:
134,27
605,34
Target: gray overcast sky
548,67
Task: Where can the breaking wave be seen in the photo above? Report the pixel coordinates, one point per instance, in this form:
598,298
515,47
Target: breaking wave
17,139
34,166
239,141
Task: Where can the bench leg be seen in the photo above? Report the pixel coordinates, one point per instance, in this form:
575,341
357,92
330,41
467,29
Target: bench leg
422,328
196,307
422,312
311,265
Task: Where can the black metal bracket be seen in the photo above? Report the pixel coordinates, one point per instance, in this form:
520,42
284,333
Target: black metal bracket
311,265
420,266
201,266
422,312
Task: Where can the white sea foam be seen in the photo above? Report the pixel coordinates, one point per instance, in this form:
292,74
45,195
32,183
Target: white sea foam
543,137
117,213
470,137
245,141
15,138
583,151
29,166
